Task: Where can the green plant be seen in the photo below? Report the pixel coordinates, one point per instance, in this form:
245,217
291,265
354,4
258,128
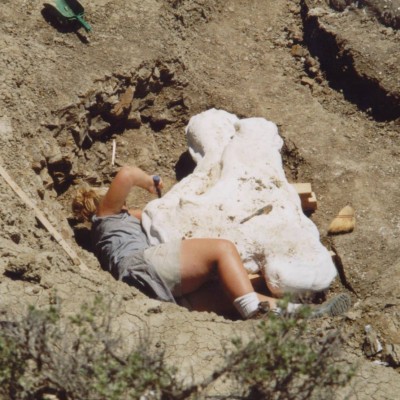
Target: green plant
78,359
81,357
286,360
23,345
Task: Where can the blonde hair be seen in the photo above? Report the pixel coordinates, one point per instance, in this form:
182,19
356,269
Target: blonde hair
85,203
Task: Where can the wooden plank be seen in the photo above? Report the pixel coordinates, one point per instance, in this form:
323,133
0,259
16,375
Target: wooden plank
309,203
307,196
43,220
302,188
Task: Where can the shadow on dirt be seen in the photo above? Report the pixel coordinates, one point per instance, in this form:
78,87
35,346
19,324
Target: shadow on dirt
57,21
185,166
338,64
82,235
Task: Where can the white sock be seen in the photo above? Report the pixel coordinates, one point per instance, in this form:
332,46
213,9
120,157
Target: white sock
291,308
247,304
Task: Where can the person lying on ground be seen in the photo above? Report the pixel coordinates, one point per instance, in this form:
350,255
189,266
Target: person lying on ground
202,274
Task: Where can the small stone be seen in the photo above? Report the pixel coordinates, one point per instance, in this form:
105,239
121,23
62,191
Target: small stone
156,73
38,164
188,101
98,126
155,310
339,5
54,156
311,61
298,51
47,180
372,345
15,237
354,315
144,73
111,100
307,81
161,120
134,120
35,290
318,12
135,105
389,32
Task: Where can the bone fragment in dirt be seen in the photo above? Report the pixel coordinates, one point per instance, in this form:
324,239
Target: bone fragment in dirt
124,103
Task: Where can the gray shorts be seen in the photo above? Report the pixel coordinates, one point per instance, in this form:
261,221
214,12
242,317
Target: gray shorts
166,259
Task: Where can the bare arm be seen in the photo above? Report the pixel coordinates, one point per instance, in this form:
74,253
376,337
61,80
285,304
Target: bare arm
128,177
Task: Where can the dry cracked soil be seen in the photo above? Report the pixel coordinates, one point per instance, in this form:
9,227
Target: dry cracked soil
326,72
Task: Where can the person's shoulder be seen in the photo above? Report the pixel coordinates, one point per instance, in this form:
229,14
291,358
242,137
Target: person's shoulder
123,214
108,217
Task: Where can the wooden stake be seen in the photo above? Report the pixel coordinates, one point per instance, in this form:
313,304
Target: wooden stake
43,220
114,147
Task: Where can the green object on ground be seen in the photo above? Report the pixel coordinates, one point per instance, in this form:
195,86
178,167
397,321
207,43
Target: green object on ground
72,9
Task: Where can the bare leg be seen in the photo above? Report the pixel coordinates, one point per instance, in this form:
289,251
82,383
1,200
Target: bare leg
200,258
212,297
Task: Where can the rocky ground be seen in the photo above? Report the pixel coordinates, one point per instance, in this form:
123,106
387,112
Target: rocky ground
326,72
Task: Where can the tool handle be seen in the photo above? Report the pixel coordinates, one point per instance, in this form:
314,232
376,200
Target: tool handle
156,180
84,23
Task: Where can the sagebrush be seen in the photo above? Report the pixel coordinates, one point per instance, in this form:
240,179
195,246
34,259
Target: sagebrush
80,357
287,361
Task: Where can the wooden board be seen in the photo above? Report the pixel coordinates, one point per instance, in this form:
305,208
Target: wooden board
43,220
307,196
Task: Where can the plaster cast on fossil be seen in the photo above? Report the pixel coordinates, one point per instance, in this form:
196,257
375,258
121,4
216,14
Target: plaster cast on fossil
239,171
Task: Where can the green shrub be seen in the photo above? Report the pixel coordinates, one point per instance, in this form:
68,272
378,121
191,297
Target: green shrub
285,360
42,355
80,359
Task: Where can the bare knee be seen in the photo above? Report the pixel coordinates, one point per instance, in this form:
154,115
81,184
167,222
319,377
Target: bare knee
225,248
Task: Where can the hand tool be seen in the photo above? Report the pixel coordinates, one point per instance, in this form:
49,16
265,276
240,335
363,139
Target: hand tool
156,180
72,9
265,210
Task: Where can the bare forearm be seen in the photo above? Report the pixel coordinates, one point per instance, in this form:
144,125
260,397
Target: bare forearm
124,181
134,176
